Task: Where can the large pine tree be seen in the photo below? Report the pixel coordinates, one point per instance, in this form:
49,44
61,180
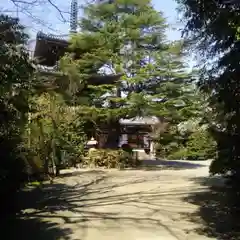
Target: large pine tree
124,37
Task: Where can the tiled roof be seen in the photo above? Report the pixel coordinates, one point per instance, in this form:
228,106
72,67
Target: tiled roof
140,121
49,37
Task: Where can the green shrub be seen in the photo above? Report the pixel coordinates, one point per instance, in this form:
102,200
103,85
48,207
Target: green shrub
168,151
179,154
109,158
200,146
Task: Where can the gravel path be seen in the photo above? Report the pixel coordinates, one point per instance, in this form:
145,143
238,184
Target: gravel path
119,205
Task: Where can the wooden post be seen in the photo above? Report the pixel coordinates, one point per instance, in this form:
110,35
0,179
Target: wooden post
152,150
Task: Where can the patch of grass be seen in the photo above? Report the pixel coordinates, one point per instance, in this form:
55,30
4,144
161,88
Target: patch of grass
34,184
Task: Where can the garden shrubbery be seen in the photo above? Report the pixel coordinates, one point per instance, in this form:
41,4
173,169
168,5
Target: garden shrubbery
197,146
109,158
201,145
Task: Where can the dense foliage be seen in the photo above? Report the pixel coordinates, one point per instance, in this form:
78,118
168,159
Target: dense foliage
110,159
47,126
45,121
213,28
16,75
186,124
38,129
198,145
55,136
128,39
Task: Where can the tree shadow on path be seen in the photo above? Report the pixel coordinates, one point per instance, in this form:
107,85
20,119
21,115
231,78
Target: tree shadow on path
15,225
168,164
218,214
96,205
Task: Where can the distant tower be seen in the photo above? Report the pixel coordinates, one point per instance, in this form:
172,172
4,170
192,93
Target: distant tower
74,16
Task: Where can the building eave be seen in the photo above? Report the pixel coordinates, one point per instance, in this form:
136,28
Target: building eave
137,121
49,48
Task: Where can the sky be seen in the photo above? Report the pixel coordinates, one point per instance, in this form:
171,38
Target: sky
50,17
47,19
168,7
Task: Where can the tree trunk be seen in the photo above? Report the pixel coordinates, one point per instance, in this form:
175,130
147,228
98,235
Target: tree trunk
57,173
113,136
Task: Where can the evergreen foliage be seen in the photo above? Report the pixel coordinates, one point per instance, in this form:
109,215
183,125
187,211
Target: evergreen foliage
55,136
213,29
128,38
16,74
125,38
46,120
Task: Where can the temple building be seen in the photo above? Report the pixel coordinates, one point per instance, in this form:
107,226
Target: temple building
137,132
48,51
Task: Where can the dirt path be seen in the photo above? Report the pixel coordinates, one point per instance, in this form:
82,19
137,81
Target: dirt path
126,205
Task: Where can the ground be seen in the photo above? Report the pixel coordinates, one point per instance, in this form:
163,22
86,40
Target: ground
148,204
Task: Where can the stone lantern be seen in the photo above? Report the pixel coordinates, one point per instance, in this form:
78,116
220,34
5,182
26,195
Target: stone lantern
92,143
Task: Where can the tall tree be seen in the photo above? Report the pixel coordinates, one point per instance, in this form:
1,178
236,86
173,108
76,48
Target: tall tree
16,75
213,27
127,38
106,29
56,133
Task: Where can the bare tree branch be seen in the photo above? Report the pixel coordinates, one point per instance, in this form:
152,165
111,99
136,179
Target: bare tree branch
59,11
32,13
26,4
32,10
